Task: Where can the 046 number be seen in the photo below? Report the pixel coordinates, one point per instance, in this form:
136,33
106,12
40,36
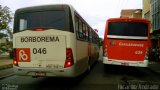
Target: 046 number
39,51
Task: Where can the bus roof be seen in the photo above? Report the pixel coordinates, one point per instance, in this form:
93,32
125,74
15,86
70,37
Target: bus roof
128,20
43,8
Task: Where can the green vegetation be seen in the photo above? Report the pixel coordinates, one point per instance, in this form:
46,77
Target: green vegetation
5,30
101,42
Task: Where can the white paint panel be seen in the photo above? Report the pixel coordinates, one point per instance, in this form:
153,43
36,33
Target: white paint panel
127,37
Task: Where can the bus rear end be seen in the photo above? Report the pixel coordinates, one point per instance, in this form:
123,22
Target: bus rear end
42,41
126,42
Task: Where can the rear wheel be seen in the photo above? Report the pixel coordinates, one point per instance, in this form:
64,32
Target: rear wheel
34,76
89,68
106,66
89,65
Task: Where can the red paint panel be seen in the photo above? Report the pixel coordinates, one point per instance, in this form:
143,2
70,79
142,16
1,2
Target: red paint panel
132,50
23,54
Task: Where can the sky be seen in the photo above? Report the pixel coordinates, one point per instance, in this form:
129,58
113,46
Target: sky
95,12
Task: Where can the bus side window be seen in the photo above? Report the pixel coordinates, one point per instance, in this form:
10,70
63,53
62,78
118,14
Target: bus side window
80,32
93,36
97,39
77,26
90,35
84,31
87,31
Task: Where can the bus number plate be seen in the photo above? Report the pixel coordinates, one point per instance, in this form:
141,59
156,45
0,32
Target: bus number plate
125,64
39,50
40,74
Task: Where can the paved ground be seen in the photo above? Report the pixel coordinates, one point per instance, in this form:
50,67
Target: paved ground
5,62
100,78
154,66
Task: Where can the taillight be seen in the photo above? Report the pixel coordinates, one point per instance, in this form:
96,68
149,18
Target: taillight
15,61
69,58
105,51
147,54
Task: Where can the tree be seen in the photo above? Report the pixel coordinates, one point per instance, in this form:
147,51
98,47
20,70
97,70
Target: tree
5,30
101,41
5,17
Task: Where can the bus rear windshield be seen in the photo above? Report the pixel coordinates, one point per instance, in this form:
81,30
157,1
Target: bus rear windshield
128,29
42,19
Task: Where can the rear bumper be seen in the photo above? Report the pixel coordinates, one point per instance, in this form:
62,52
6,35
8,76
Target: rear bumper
66,72
125,62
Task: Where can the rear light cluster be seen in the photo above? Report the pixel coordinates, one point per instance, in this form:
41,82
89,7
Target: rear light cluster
105,51
147,54
69,58
15,62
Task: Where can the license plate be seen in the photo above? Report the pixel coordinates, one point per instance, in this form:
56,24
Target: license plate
125,64
40,74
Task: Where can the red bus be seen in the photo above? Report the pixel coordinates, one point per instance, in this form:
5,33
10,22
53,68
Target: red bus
126,42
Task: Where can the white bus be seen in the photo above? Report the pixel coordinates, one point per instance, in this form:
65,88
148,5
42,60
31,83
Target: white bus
53,40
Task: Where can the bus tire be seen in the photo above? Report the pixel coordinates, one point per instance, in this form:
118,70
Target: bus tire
89,65
106,66
89,68
34,76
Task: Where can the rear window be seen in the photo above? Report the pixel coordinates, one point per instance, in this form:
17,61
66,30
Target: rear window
128,29
45,19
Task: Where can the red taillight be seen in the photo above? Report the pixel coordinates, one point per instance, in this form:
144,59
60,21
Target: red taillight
147,54
15,62
69,58
105,51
